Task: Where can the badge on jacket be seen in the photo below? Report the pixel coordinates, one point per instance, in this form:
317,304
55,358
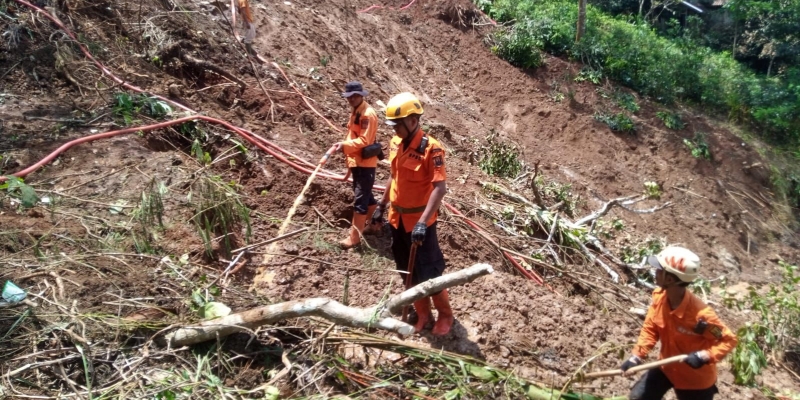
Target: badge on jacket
438,161
364,123
716,331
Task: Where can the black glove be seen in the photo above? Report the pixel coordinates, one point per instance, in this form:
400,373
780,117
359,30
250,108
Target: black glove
630,363
377,216
418,234
695,361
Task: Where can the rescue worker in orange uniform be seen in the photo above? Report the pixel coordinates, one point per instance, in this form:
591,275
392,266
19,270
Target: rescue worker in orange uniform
684,325
415,191
246,15
361,132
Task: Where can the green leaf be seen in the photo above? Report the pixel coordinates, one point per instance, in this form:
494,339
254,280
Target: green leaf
214,309
480,372
272,393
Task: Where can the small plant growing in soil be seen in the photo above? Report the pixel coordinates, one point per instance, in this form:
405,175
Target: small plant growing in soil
652,190
499,159
16,188
324,60
126,106
618,122
775,331
698,146
671,120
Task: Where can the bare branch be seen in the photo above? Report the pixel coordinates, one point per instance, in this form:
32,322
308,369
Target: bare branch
378,316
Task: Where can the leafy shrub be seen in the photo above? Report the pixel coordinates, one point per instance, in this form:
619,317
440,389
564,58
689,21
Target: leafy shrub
633,54
589,74
516,46
776,329
698,146
499,159
618,122
671,120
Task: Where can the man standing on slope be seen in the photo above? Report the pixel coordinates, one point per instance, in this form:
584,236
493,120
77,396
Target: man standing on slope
684,325
415,190
361,132
245,14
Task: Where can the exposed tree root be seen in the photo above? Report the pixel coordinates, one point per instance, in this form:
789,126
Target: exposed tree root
177,50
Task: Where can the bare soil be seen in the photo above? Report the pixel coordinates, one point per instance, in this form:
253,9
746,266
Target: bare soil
722,208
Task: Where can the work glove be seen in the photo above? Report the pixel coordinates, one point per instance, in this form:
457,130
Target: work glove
695,360
377,216
630,363
418,234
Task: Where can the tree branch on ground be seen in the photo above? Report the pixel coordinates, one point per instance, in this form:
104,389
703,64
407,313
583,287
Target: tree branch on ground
378,316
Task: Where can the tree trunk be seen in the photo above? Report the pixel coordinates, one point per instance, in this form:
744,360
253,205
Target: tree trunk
581,20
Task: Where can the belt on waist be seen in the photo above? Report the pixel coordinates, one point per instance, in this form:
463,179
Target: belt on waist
413,210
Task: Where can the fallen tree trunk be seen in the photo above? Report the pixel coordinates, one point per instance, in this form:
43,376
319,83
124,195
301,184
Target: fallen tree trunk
378,316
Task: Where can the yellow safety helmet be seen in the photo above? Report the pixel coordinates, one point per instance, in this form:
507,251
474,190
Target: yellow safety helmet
401,106
679,261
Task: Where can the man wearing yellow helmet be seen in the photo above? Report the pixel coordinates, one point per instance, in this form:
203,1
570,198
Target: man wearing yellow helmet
684,325
415,190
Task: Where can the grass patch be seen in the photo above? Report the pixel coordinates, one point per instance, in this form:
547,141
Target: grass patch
219,214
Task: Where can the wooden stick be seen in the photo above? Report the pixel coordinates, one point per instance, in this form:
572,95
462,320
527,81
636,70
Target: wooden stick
643,367
412,257
261,274
268,241
378,316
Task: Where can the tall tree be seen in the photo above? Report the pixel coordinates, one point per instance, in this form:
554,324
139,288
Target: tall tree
581,29
770,30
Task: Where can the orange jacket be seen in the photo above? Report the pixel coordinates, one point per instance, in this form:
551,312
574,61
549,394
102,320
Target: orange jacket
676,330
361,132
244,11
413,175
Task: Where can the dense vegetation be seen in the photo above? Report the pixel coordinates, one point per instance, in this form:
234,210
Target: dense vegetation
674,62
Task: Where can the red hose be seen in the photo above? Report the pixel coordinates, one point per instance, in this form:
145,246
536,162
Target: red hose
165,124
532,275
